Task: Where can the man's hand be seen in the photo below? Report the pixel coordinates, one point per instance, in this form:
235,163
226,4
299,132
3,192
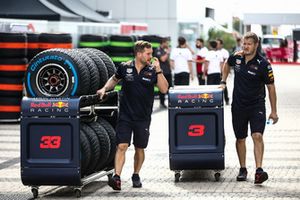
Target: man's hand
222,86
239,53
156,64
274,117
101,93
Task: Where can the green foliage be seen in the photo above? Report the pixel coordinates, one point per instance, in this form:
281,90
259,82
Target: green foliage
228,39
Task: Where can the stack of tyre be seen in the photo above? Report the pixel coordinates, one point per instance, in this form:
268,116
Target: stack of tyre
32,45
121,48
153,39
99,42
13,64
72,73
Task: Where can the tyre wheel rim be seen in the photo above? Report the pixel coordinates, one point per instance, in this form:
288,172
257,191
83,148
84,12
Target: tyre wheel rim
52,80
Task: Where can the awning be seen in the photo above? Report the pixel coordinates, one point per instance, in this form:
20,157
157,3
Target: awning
79,8
32,9
64,12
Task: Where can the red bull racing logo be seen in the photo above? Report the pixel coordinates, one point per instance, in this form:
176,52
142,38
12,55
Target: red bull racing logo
47,107
195,98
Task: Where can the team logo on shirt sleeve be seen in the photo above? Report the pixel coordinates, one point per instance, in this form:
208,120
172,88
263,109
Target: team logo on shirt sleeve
270,73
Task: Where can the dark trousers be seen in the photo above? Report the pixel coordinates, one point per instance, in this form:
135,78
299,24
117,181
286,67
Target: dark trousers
213,79
200,79
182,78
162,96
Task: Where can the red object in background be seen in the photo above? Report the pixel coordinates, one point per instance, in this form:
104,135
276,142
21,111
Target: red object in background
128,29
279,54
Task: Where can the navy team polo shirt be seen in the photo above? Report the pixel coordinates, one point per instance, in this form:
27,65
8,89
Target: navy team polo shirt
250,80
137,93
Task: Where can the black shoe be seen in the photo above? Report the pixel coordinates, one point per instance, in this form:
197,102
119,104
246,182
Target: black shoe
260,176
115,182
136,181
242,176
163,106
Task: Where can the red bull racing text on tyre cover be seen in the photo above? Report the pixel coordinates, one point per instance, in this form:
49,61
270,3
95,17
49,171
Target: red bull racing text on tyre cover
47,107
195,98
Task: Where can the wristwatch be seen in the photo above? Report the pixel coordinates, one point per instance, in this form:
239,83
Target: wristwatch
159,72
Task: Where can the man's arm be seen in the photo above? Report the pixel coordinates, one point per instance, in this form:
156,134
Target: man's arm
162,82
225,72
273,102
191,69
109,85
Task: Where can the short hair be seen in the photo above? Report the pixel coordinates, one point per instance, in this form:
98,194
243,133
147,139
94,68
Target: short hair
164,39
181,41
200,40
213,44
140,45
220,40
251,35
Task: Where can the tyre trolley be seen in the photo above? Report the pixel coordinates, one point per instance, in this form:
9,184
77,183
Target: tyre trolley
51,151
196,129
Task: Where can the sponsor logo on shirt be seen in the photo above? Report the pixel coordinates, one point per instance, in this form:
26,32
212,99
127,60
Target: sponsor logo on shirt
129,70
252,73
146,79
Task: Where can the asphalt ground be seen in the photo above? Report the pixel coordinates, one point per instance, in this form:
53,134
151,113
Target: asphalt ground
281,160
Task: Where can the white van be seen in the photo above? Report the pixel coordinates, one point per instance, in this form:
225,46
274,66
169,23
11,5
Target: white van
271,41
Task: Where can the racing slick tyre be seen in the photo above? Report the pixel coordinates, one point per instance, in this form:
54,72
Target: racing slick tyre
32,45
100,65
13,45
95,147
104,144
57,73
11,87
53,40
10,107
13,67
85,153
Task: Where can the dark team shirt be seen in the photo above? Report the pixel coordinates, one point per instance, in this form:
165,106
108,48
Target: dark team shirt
165,66
250,80
137,93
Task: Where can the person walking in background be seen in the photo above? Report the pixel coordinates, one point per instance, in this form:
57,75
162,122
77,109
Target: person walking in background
213,64
136,103
252,73
181,62
224,54
163,54
200,59
238,46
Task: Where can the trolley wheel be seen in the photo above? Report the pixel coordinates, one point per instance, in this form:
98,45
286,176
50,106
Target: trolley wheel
177,176
78,193
35,192
217,176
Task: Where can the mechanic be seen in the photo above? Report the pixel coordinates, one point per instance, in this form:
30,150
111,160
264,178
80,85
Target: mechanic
136,102
251,73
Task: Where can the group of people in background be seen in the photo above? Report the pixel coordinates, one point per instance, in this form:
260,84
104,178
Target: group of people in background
209,62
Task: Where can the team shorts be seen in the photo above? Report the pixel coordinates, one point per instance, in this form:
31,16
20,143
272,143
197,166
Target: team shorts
139,130
241,118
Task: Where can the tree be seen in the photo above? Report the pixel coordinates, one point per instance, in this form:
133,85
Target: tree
228,39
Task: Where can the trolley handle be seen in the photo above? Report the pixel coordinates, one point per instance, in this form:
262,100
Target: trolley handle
87,100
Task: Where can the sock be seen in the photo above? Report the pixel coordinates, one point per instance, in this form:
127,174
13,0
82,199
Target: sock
116,176
243,169
259,169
